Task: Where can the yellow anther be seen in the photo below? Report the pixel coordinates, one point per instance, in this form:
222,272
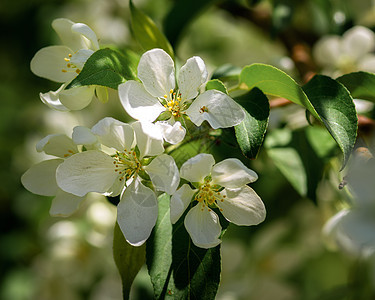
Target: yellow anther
69,55
68,65
171,91
165,96
64,71
78,71
66,59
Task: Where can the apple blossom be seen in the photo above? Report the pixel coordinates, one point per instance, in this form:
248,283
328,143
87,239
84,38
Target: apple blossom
41,178
119,168
63,63
223,186
158,93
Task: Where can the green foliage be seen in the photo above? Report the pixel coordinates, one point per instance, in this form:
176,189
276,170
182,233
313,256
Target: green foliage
146,32
128,259
107,67
181,14
178,269
275,82
336,109
250,132
216,84
360,84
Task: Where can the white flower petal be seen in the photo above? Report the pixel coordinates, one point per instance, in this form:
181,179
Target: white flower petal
180,200
172,134
197,168
138,103
242,206
64,204
156,71
192,75
149,139
89,171
232,173
217,108
77,98
327,51
83,136
41,178
49,62
137,213
51,99
164,173
63,28
114,134
358,41
58,145
88,33
80,57
203,226
355,232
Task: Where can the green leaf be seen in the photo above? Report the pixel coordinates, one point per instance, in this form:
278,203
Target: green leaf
128,259
336,109
216,84
275,82
107,67
360,84
178,269
181,14
287,159
147,33
250,132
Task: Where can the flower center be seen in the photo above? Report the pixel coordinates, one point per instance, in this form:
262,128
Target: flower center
70,67
210,194
347,64
173,103
127,164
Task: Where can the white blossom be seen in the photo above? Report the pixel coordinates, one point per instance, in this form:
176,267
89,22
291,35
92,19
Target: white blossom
157,93
223,186
41,178
62,63
118,168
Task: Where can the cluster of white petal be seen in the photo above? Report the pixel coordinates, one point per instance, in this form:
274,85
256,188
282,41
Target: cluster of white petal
352,229
158,93
351,52
62,63
222,186
128,160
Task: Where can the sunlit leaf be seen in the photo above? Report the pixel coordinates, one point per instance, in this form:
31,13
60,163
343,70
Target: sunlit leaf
275,82
250,132
147,33
107,67
360,84
128,259
216,84
178,269
336,109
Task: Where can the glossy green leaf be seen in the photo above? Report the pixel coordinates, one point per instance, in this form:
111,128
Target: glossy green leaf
336,109
275,82
360,84
178,269
250,132
107,67
216,84
146,32
128,259
181,14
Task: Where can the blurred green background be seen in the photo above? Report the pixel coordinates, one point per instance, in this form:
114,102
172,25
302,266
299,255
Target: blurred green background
42,257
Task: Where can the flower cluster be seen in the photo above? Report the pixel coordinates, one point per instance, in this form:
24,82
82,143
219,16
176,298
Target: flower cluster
130,161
